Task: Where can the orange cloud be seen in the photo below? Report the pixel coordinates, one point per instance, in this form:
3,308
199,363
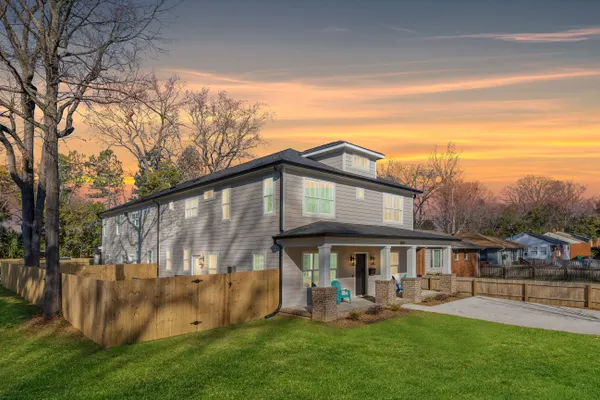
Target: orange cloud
572,35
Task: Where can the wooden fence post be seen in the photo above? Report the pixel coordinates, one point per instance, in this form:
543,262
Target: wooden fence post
588,302
525,292
533,272
474,287
504,272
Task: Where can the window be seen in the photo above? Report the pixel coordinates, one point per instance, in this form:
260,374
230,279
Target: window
533,251
138,258
456,255
150,257
226,204
543,251
394,263
209,194
310,268
436,259
268,196
360,193
392,208
191,207
171,206
118,225
360,162
213,259
169,262
104,227
319,198
135,219
466,257
258,261
186,260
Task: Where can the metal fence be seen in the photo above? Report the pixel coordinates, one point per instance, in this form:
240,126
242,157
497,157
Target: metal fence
543,272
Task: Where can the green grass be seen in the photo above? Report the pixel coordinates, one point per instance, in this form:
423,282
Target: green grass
420,356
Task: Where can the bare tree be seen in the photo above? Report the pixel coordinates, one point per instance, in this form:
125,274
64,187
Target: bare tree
84,50
567,201
529,192
190,164
224,130
429,177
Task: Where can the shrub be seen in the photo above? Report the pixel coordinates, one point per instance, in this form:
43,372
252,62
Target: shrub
374,310
354,315
441,297
395,307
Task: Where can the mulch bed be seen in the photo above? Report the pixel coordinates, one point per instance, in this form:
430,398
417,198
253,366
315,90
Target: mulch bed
367,319
440,299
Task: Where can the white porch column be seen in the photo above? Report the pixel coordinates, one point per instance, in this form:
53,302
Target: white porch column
447,260
385,263
324,266
411,262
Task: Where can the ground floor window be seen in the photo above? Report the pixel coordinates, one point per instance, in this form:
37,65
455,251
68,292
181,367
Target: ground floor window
212,264
150,256
258,261
436,259
394,263
310,268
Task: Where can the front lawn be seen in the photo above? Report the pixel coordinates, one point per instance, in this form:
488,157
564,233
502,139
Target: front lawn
419,356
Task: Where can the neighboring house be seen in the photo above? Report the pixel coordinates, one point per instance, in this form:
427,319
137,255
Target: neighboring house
465,259
543,247
579,246
494,250
318,215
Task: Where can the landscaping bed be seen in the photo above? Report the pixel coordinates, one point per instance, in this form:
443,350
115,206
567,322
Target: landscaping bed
441,299
356,319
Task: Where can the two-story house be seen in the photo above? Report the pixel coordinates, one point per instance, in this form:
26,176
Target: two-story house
317,215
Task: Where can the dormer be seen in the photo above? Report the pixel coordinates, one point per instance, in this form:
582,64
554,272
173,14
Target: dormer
347,157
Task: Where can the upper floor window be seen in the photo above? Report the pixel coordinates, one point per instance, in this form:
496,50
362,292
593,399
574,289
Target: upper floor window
118,224
268,206
360,162
209,194
226,203
360,193
135,219
392,208
319,198
171,206
191,207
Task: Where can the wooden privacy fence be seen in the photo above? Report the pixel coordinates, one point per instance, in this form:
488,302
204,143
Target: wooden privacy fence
430,282
111,272
547,273
27,282
113,313
567,294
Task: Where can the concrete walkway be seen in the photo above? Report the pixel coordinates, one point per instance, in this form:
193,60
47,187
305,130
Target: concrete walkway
575,320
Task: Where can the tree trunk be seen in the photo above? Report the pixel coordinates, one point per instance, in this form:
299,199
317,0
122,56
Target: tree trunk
30,251
52,287
39,208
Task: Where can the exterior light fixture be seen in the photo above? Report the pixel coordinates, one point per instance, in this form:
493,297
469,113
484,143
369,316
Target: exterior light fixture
352,260
372,259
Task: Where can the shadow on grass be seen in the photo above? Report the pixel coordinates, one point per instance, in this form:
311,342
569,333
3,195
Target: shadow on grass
13,309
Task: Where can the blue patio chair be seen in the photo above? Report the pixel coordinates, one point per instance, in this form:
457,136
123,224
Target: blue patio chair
341,293
398,284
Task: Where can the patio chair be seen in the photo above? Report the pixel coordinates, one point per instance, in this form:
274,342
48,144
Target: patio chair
342,293
398,284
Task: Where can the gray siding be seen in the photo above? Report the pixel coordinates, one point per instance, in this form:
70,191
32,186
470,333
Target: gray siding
371,172
335,160
348,208
248,231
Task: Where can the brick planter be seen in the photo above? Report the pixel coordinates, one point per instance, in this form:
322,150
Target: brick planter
385,292
411,289
448,284
324,303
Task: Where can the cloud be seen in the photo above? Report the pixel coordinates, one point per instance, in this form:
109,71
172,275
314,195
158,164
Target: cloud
398,29
335,29
572,35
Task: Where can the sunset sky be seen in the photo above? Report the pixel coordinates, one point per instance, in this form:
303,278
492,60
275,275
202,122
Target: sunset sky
515,84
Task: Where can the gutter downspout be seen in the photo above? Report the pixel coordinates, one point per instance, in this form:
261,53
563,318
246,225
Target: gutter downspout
157,238
279,169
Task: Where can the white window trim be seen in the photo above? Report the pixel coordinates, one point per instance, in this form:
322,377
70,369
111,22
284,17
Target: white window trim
456,255
318,214
169,260
259,253
364,192
212,197
135,221
188,259
395,265
314,254
367,168
466,256
223,204
104,227
431,267
207,257
118,225
264,196
171,206
185,211
150,256
401,222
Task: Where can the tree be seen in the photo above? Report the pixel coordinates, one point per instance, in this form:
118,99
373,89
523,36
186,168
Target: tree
585,225
440,169
189,164
224,130
9,196
105,173
153,181
72,175
81,228
84,52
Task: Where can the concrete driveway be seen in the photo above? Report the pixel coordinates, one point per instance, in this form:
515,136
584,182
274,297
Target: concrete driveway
575,320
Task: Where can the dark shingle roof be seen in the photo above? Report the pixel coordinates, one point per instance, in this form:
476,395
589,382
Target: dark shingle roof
289,156
488,242
330,228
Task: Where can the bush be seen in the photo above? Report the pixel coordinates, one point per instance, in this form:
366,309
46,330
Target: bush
354,315
374,310
441,297
395,307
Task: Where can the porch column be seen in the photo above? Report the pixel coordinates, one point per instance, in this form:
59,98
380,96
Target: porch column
324,266
447,260
411,262
385,263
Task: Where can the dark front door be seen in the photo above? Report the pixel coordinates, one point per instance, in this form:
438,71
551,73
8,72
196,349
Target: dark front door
360,273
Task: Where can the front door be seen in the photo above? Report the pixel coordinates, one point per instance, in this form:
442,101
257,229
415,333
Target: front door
360,274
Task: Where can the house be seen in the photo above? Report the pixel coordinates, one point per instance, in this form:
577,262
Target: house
494,250
465,259
579,246
317,215
543,247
